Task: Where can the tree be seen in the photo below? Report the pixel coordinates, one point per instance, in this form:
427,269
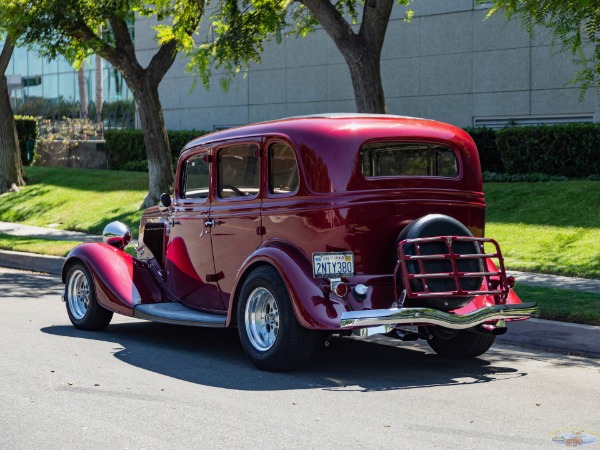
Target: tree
575,24
11,167
70,28
267,18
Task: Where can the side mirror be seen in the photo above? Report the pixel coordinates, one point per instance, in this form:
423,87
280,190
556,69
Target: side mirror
165,201
116,234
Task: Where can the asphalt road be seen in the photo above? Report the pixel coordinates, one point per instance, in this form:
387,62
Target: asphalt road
144,385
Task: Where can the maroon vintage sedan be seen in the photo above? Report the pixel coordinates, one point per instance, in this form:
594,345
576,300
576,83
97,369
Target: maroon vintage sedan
298,229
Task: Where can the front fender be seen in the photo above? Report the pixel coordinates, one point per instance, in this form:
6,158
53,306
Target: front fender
120,280
313,308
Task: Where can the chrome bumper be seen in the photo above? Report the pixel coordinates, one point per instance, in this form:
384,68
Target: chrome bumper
427,316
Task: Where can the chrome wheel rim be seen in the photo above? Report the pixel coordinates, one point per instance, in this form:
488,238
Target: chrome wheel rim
262,319
78,294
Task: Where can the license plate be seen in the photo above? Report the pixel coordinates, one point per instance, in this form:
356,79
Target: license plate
333,264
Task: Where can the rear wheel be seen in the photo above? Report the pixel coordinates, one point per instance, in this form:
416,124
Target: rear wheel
458,343
82,306
269,331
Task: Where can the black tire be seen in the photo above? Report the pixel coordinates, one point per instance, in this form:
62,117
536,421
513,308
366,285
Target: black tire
458,343
83,308
269,331
441,225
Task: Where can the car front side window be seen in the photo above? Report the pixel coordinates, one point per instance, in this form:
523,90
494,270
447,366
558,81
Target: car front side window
196,178
238,171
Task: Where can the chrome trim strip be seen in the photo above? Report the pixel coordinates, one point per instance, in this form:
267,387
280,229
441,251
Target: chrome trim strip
427,316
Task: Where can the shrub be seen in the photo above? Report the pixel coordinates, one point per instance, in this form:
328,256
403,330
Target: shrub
124,146
518,177
27,129
489,156
567,150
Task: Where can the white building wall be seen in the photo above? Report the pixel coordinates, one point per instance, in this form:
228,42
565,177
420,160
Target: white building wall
447,64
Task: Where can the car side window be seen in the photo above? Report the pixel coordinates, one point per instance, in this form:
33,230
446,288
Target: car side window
394,159
196,178
238,171
283,169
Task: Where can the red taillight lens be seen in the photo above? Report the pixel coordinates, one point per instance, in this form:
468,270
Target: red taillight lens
510,280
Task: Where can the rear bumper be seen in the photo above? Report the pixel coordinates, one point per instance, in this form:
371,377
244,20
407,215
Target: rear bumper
427,316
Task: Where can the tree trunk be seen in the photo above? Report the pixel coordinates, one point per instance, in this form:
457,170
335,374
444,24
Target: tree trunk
365,71
82,92
11,167
362,50
160,167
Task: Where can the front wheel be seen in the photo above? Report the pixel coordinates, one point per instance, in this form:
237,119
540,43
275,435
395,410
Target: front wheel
82,306
457,343
269,331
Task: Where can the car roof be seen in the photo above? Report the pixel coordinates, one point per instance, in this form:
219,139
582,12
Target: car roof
328,145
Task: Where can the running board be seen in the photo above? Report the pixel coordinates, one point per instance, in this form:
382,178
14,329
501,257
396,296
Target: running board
177,314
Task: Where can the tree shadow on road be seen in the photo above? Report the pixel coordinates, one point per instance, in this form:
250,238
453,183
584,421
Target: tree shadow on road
214,357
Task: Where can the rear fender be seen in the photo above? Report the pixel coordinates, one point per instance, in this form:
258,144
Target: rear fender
120,280
312,307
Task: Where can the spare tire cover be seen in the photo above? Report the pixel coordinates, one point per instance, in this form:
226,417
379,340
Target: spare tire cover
442,225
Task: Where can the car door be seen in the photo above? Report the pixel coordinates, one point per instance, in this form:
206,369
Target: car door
235,211
189,257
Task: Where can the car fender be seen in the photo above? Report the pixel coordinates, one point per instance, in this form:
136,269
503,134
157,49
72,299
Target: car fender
120,280
313,308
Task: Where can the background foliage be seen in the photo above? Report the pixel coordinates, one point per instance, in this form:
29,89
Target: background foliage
571,150
27,129
126,149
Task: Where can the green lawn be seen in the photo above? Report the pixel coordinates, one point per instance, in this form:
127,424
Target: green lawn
31,245
76,199
562,304
547,227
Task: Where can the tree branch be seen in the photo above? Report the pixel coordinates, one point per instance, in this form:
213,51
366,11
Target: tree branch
162,61
333,22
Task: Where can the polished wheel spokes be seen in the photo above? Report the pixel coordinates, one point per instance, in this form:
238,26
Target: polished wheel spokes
262,319
78,294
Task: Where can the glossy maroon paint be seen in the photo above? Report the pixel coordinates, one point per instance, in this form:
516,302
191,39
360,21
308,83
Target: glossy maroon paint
120,280
335,208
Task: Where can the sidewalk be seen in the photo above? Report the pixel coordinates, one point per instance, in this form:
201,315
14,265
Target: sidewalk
543,334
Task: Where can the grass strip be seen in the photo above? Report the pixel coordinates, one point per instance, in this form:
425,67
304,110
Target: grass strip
563,304
34,245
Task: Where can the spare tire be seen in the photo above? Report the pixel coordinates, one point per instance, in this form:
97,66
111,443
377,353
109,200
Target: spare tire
441,225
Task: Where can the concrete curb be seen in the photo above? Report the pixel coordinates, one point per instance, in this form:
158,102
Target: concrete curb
554,336
31,261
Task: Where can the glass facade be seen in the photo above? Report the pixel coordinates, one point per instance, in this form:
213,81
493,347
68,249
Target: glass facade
32,78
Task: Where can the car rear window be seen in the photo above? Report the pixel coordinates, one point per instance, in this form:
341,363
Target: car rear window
400,159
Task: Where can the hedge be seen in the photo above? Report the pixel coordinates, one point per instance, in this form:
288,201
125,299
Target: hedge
126,147
571,150
568,150
27,129
489,156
